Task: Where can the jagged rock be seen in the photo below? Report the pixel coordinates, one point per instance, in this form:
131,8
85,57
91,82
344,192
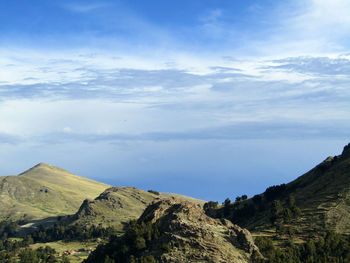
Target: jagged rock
177,231
202,239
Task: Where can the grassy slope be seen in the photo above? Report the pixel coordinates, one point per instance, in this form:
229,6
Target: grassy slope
114,207
45,191
118,205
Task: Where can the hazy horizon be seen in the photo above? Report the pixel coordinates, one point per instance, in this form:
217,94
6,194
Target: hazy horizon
210,99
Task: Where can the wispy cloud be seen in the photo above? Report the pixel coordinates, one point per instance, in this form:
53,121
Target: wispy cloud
315,65
223,91
119,77
85,7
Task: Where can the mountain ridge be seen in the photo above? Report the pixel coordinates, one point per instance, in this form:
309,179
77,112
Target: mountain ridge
116,206
44,191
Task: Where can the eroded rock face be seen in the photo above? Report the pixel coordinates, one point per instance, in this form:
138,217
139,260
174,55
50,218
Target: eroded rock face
192,236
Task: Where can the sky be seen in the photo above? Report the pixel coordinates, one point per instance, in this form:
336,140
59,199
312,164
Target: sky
210,99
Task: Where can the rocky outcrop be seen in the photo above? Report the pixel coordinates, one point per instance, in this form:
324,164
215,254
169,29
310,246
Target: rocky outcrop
114,207
189,235
346,151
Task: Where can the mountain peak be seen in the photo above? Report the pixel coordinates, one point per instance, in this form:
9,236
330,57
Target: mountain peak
42,164
39,166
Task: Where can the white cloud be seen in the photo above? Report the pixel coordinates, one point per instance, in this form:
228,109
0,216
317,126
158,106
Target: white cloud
302,28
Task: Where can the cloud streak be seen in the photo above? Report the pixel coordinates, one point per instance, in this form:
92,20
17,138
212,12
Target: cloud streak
238,131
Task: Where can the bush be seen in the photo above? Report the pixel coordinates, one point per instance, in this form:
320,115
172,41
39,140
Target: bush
153,192
275,192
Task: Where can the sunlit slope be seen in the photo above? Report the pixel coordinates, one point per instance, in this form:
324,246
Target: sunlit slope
183,198
114,207
118,205
44,191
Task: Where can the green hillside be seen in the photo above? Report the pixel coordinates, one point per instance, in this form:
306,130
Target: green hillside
115,207
316,201
44,191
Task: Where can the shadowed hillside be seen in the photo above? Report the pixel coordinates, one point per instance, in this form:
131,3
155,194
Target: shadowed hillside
317,200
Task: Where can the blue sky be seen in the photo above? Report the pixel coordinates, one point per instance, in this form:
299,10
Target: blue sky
211,99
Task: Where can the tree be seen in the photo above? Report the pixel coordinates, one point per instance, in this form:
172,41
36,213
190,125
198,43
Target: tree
140,243
108,260
28,256
210,205
153,192
291,201
65,259
227,202
28,240
257,199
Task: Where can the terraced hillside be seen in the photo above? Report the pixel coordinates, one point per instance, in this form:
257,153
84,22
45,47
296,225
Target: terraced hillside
323,193
317,200
44,191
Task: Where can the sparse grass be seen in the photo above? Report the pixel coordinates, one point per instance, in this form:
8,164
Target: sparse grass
45,191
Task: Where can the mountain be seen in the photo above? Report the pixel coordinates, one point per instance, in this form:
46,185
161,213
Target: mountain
317,200
44,191
116,206
173,230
